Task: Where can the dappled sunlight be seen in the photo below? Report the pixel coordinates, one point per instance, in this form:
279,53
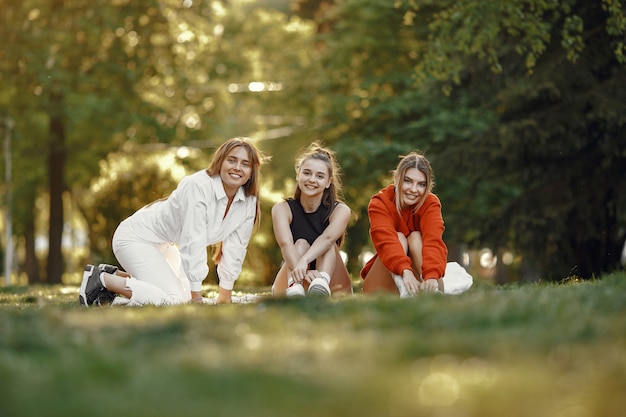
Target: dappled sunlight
450,386
476,355
440,383
255,87
439,390
270,195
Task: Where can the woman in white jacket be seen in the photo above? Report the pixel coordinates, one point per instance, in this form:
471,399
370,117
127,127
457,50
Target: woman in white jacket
163,246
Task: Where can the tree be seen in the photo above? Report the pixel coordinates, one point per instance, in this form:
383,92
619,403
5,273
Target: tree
84,79
71,69
517,105
372,107
557,151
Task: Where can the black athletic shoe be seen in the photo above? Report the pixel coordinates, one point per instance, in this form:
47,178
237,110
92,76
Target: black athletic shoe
106,296
111,269
92,292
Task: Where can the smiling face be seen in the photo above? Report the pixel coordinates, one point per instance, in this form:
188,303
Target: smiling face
235,170
313,177
412,186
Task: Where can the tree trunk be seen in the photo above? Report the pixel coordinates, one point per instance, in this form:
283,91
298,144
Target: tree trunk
31,264
56,170
601,253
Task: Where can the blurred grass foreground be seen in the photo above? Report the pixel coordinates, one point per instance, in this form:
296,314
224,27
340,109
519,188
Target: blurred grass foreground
533,350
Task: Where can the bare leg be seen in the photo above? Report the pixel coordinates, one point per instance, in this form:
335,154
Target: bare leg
327,261
379,279
332,264
282,277
415,252
117,283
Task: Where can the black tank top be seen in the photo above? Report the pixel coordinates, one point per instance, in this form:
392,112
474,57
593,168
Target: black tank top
308,226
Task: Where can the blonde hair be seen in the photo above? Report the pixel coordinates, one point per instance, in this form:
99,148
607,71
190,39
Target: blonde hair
251,187
418,161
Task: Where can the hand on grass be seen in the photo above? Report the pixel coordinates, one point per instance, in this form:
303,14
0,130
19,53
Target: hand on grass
196,297
224,296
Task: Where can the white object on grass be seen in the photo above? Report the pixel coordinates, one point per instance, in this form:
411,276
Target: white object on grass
404,293
456,280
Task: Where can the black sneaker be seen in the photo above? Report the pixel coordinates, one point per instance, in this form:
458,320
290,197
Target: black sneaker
110,269
92,292
106,296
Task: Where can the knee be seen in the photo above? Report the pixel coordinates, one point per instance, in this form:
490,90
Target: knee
403,242
302,245
414,241
330,257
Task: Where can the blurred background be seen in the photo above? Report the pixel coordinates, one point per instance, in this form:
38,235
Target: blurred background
519,106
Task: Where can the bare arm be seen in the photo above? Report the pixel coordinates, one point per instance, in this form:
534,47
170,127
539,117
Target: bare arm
281,219
324,242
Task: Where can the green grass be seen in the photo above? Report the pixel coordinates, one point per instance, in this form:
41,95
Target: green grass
533,350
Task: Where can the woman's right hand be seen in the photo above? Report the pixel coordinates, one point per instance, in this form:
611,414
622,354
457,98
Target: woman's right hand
299,272
410,282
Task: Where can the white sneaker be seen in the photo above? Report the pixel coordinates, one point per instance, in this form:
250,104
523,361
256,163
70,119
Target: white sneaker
294,289
404,293
319,286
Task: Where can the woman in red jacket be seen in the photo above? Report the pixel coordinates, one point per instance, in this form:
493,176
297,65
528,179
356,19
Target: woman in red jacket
406,228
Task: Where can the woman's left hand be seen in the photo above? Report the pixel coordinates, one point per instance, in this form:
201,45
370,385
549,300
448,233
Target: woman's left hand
311,274
431,285
224,296
196,297
299,272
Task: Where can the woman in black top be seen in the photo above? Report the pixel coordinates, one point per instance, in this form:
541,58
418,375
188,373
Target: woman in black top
310,228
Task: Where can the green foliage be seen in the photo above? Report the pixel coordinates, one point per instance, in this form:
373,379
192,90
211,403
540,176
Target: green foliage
558,136
529,122
72,68
483,353
518,105
121,74
376,110
127,182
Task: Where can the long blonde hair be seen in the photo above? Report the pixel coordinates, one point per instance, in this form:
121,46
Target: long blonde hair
251,187
418,161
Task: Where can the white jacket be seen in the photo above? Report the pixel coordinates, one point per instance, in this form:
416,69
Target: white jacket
192,217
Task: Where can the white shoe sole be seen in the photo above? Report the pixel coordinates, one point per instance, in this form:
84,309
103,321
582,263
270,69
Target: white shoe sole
319,286
296,290
82,292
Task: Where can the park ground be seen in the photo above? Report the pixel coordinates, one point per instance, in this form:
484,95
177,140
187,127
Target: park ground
542,349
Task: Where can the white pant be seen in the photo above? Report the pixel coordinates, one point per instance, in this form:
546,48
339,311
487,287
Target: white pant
158,276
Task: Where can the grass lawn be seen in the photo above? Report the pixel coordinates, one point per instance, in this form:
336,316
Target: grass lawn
518,350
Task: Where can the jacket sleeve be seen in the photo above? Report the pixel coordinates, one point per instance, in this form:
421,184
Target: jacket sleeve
192,241
384,234
434,250
235,247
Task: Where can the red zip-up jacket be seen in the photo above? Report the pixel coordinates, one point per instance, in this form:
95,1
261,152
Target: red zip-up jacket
386,222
